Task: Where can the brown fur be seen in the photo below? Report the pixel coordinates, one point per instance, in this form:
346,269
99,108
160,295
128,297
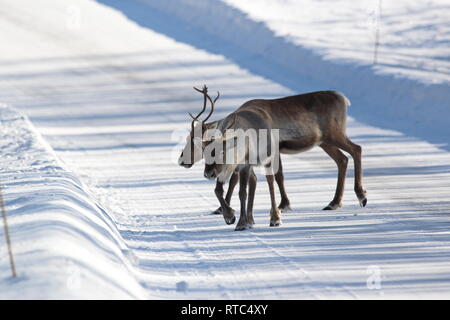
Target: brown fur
304,121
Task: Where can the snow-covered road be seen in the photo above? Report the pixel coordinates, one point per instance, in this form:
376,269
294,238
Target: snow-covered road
111,98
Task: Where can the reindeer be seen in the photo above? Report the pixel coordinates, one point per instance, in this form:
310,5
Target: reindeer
193,152
303,121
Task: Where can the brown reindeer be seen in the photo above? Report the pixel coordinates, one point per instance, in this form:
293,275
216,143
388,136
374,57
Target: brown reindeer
193,152
303,121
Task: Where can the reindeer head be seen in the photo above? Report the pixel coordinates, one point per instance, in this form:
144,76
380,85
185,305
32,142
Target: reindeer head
193,150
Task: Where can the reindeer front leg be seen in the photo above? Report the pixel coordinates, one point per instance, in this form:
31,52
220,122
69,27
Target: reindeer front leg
225,209
233,182
219,193
285,204
243,218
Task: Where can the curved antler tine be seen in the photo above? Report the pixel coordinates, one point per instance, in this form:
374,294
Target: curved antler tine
212,105
218,95
205,94
204,90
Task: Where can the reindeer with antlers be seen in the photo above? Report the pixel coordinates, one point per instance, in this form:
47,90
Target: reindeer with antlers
302,121
193,152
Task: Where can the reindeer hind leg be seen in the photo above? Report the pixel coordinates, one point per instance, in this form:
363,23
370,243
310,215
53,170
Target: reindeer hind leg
251,197
355,151
341,162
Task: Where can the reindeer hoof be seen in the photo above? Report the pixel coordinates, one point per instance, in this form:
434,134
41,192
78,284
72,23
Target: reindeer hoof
230,221
242,227
333,206
363,202
217,211
284,207
275,223
362,197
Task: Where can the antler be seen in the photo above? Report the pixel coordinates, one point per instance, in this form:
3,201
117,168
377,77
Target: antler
212,105
205,94
204,91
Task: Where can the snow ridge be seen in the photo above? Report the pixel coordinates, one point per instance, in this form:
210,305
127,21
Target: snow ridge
62,239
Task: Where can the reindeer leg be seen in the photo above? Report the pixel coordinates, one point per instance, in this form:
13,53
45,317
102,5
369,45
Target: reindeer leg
275,215
226,210
355,151
219,195
285,204
243,182
341,162
251,197
233,181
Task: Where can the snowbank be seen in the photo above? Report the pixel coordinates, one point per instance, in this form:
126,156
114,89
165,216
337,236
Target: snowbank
65,245
413,36
385,100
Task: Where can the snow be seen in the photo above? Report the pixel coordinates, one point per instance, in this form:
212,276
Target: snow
64,243
389,93
414,37
108,85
